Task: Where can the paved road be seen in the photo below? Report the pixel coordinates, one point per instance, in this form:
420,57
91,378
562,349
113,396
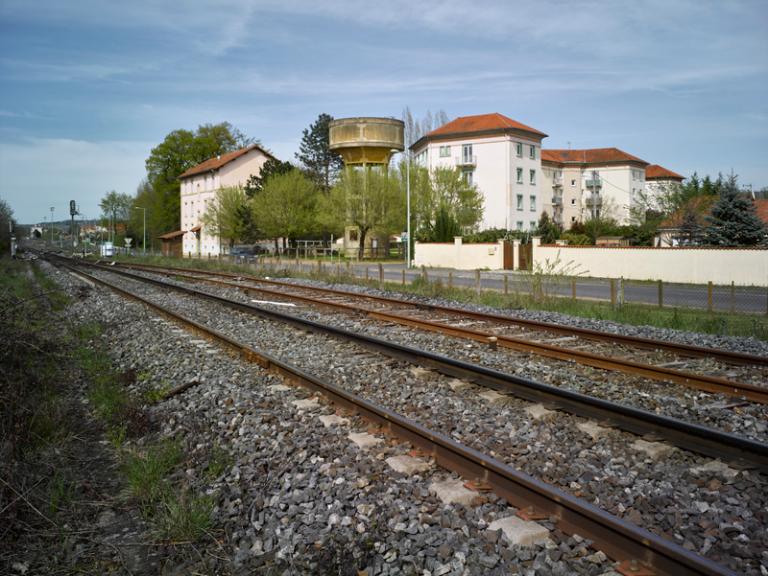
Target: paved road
724,298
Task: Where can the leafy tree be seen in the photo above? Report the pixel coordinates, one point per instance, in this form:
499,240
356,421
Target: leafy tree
548,229
370,199
321,164
7,223
287,206
179,151
733,220
223,214
444,192
271,167
116,207
690,229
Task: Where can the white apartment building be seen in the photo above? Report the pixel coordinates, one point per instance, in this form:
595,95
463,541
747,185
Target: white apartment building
580,184
499,155
658,182
199,185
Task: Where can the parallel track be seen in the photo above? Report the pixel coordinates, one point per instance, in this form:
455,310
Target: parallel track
737,450
703,382
637,549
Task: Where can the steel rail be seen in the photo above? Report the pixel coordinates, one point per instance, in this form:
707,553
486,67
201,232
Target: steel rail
620,540
636,341
737,450
703,382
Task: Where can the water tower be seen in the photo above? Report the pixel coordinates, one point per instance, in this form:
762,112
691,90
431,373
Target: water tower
365,142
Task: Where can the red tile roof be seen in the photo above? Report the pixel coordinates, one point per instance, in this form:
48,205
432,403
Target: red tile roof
589,156
172,235
761,207
219,161
656,172
701,206
479,124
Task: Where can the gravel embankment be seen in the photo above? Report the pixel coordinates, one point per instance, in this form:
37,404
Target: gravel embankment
677,401
718,513
297,496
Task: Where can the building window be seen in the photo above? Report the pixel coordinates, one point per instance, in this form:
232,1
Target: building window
466,153
573,201
573,182
519,149
533,203
532,176
519,224
519,175
469,176
519,201
573,218
533,225
445,151
533,152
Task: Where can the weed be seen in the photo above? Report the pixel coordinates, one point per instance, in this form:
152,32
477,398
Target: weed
184,516
60,493
146,471
155,394
218,462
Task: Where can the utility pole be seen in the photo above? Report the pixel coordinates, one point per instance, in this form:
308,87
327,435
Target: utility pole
144,242
72,212
52,225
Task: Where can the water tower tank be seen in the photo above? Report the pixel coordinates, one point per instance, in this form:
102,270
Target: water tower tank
366,140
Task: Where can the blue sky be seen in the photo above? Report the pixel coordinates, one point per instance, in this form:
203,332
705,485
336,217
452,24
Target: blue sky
88,87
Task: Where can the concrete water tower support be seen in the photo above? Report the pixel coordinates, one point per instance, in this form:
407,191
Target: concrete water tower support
365,142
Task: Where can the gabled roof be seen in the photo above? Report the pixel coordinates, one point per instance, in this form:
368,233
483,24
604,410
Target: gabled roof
172,235
218,161
590,156
478,125
656,172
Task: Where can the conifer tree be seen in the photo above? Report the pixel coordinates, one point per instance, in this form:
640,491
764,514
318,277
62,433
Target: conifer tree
321,164
733,220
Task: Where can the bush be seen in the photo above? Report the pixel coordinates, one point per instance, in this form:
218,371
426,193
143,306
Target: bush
575,239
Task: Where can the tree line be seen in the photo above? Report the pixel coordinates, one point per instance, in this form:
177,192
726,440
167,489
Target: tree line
313,198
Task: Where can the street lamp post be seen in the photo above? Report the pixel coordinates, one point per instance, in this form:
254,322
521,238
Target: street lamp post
144,242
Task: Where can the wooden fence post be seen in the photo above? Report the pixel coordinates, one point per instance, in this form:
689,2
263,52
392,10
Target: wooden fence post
477,281
613,292
381,276
573,288
733,297
506,285
661,294
366,274
710,303
450,279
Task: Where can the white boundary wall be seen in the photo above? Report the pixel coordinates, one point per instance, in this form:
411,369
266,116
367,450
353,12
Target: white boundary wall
460,256
743,266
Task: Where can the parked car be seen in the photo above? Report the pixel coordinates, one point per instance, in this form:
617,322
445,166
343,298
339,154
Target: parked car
246,251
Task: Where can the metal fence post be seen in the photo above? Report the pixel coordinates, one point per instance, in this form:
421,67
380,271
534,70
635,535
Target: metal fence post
613,291
710,304
477,281
661,294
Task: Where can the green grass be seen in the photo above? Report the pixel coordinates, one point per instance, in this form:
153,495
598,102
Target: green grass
184,516
218,462
146,471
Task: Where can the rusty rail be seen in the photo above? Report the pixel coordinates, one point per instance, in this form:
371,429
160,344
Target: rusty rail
620,540
740,451
703,382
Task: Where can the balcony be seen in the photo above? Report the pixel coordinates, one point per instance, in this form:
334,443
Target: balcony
594,183
557,200
557,182
593,200
466,160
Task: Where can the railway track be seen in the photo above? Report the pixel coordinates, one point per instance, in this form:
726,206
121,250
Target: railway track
731,448
637,549
455,325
